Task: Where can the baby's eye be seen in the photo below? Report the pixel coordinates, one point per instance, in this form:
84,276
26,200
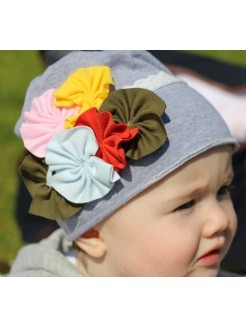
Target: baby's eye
224,191
185,206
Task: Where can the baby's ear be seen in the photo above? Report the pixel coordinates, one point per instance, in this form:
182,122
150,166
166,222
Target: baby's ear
91,243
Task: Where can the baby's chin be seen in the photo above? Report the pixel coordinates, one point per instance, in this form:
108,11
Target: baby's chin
204,272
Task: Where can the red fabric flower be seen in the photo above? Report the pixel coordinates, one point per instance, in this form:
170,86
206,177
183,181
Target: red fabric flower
109,135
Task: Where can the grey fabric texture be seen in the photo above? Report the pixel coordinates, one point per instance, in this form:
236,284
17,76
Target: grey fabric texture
193,126
45,259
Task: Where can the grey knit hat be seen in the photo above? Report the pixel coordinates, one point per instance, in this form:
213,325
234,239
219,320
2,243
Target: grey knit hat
189,126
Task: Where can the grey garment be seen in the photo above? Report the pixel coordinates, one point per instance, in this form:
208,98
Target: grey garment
193,126
45,259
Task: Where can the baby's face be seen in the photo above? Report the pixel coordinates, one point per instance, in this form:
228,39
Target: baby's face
182,226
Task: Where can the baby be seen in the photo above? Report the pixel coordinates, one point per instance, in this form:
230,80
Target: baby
133,164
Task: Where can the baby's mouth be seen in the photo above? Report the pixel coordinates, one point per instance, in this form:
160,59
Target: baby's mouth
211,258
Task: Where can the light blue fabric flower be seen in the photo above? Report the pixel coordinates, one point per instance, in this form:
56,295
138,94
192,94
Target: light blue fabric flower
74,170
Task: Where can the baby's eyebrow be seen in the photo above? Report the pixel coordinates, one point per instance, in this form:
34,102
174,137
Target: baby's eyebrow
229,176
187,192
196,190
190,193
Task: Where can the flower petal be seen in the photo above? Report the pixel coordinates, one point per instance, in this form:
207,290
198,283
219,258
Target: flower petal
139,108
46,202
86,87
110,136
43,122
74,170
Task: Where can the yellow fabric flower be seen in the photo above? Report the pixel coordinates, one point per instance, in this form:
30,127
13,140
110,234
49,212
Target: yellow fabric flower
86,87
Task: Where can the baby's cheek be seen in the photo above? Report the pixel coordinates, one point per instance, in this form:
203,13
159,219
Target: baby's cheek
187,245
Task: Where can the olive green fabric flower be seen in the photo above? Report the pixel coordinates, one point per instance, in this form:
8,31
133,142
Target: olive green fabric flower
46,202
139,108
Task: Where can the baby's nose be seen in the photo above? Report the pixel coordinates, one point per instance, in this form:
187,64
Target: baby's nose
217,220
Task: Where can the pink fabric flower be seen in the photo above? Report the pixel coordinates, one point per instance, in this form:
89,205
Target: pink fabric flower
42,122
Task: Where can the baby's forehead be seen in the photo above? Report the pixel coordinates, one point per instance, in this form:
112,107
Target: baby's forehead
204,174
212,166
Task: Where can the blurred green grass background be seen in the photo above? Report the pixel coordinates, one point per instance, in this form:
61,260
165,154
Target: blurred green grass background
17,69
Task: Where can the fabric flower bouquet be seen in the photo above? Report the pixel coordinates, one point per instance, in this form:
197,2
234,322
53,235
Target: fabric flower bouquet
81,135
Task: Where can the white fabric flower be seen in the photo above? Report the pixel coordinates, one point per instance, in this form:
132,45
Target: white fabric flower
74,170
